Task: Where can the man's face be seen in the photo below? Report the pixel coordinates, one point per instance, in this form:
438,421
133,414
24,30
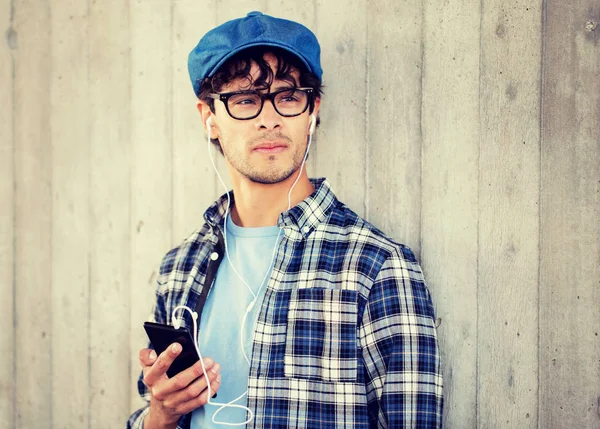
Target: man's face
269,148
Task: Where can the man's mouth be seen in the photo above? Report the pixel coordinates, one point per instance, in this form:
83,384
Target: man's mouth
270,147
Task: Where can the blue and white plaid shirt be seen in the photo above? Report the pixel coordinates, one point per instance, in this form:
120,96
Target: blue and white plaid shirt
346,333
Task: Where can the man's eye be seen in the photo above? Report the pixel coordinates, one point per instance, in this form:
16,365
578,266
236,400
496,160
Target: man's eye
245,101
288,97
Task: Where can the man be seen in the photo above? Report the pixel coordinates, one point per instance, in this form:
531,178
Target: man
314,318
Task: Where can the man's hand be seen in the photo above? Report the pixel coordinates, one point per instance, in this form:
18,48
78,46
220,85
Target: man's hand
171,398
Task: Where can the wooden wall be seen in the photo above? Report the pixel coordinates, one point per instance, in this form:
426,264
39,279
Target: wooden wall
469,130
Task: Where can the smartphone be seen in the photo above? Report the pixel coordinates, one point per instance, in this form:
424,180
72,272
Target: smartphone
162,336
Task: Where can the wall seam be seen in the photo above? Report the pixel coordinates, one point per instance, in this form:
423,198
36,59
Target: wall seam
132,155
421,157
367,204
315,152
130,179
89,232
14,220
477,294
540,190
51,211
170,124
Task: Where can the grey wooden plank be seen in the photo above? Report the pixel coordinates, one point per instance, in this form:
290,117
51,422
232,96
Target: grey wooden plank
570,219
303,13
194,181
70,214
33,215
341,149
509,214
450,154
110,199
395,53
151,163
233,9
7,196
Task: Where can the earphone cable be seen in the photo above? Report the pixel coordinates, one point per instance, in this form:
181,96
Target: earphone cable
255,295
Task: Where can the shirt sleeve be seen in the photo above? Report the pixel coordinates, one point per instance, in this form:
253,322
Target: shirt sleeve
400,348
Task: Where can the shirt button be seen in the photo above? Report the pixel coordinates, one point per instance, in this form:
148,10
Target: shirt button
214,256
306,229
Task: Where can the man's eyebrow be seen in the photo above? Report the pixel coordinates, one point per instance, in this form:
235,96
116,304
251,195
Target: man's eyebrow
282,86
260,88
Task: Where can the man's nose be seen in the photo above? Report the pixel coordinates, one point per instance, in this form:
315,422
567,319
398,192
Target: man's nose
268,119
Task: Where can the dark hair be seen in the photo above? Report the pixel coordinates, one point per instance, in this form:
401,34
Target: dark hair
239,66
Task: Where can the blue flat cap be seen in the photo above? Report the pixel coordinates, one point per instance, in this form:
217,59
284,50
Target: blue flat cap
255,29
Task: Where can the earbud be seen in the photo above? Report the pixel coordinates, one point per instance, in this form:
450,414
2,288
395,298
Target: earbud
176,323
208,124
313,124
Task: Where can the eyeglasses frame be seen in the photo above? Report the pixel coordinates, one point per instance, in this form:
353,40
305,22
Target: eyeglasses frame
224,97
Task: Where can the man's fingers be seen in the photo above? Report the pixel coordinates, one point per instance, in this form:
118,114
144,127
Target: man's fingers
161,364
182,380
190,405
147,357
214,387
189,384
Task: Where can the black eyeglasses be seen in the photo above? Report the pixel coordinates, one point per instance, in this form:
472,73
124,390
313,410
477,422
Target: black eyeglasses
287,102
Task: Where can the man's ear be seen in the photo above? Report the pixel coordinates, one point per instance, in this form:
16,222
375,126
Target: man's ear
207,117
316,106
314,116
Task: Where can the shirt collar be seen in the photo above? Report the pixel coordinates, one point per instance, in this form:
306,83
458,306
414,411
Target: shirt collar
215,214
304,217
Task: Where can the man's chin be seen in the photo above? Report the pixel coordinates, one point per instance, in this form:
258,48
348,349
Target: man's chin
270,179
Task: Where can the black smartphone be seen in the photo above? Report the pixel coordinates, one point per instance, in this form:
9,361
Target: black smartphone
162,336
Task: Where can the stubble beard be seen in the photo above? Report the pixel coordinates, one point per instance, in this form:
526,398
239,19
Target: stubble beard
267,176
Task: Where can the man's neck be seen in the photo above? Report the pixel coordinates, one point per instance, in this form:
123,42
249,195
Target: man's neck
259,205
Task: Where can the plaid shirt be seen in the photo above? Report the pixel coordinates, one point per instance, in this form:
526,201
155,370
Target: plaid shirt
346,335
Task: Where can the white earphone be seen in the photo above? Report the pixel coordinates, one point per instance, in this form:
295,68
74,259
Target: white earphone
177,321
313,124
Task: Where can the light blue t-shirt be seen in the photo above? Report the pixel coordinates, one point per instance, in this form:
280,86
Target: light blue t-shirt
251,251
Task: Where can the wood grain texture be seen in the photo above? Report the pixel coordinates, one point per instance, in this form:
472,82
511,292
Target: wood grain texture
342,144
7,218
430,128
151,163
194,181
70,213
304,12
450,153
227,10
570,219
110,200
509,214
33,215
395,52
